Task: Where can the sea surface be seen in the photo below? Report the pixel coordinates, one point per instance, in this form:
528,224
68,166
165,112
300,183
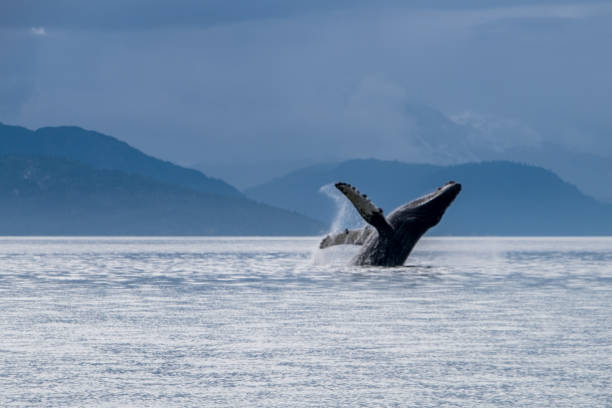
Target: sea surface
275,322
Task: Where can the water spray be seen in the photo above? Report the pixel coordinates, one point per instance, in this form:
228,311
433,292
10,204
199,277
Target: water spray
346,216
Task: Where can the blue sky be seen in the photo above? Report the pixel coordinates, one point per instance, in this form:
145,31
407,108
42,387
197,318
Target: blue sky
293,82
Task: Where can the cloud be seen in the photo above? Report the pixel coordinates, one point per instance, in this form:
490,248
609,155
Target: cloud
496,133
38,31
151,14
312,83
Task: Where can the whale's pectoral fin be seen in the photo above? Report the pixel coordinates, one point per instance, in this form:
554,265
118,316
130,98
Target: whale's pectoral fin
372,214
347,237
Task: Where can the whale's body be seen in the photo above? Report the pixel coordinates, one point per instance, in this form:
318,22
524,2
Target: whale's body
387,241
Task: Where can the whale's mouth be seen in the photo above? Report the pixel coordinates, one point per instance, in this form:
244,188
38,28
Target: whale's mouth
444,194
451,184
432,206
454,186
448,192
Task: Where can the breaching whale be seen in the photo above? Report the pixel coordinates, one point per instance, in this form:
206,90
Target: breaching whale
387,241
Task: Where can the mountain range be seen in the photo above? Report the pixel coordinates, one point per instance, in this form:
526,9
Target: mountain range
498,198
69,181
423,134
103,152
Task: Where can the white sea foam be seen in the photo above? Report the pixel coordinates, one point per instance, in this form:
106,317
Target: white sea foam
346,216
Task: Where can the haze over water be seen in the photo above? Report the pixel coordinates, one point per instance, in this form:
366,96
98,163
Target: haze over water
275,322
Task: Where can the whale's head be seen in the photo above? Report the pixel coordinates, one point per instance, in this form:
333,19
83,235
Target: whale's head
428,210
442,198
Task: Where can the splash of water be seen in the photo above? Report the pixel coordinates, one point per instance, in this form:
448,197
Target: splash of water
346,216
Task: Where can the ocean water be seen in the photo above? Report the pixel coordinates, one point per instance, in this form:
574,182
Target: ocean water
201,322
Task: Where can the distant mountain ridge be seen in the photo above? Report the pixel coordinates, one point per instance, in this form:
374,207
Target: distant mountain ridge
51,196
103,152
498,198
66,180
422,134
584,170
70,181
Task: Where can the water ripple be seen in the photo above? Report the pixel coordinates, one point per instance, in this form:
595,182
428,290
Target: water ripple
276,322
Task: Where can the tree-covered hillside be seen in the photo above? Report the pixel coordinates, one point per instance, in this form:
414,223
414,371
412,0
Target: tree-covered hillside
103,152
51,196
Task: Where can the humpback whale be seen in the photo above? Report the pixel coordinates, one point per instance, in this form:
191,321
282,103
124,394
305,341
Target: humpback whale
387,241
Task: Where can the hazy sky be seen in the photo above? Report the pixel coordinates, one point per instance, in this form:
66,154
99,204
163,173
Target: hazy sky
290,81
